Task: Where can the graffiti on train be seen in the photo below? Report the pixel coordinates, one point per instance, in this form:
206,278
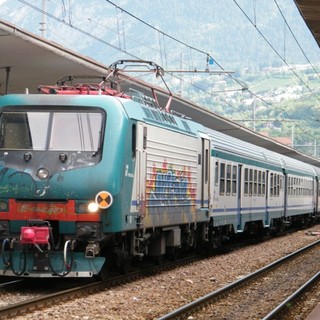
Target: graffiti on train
169,186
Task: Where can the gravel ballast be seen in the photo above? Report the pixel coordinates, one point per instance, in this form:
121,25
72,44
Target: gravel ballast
152,297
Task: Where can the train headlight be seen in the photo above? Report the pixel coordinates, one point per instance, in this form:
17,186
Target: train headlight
43,173
93,207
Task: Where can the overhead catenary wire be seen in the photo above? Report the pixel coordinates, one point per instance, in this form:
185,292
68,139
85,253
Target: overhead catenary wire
279,55
284,112
216,62
295,38
190,48
158,30
76,28
276,52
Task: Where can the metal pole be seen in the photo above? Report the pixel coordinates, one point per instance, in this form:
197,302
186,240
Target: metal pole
43,24
7,79
254,113
180,74
292,135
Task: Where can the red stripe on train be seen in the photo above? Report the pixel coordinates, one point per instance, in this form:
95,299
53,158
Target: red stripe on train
61,211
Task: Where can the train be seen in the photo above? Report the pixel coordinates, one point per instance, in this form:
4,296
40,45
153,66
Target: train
94,179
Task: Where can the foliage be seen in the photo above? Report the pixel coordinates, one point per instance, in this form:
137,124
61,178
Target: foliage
282,106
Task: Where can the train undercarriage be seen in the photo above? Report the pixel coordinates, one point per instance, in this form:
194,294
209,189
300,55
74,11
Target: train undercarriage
39,251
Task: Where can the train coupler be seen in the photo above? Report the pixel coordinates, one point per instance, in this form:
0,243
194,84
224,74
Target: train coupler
92,250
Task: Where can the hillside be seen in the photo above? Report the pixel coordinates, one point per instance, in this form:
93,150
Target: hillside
273,85
282,108
221,28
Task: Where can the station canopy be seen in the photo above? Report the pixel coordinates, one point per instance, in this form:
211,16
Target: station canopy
310,12
27,60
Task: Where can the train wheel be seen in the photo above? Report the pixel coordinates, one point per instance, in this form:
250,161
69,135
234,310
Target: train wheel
105,271
158,260
123,262
172,253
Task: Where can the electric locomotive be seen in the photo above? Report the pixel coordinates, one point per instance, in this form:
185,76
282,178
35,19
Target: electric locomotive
78,192
92,178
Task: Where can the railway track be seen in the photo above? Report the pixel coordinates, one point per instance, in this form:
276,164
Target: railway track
12,310
10,283
43,300
62,291
291,305
68,292
262,294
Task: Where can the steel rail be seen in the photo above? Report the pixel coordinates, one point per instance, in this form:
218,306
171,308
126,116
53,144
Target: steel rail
16,309
47,300
282,307
202,301
10,283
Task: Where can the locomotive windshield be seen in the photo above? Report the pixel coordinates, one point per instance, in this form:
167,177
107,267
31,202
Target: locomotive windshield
51,130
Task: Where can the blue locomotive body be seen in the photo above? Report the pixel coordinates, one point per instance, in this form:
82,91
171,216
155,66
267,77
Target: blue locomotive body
90,182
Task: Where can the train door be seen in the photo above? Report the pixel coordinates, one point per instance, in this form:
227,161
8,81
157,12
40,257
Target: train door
285,201
265,181
239,197
316,194
141,156
205,172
